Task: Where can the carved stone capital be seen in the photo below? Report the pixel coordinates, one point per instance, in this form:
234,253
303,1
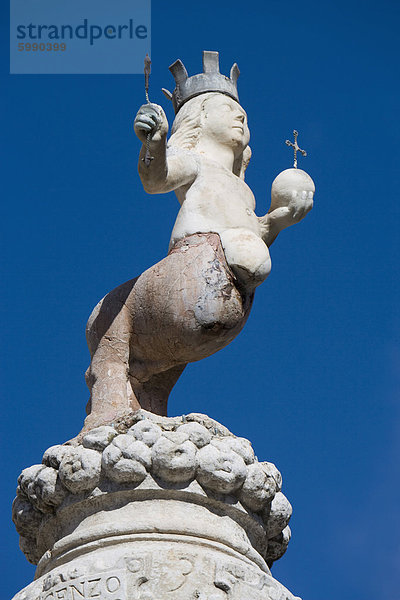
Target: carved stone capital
184,489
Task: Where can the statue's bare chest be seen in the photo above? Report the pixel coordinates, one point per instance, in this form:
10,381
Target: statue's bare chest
219,186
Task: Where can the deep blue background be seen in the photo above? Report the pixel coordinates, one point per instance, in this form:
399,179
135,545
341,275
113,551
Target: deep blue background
313,378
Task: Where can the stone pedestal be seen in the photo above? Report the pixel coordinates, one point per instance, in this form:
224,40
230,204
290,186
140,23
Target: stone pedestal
153,508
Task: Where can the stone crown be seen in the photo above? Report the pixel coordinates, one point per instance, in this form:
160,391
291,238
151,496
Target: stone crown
211,80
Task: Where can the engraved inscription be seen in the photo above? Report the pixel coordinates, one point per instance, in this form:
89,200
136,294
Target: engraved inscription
239,581
101,586
168,573
154,575
57,578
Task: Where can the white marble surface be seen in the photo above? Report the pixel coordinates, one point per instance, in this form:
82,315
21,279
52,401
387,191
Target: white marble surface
204,161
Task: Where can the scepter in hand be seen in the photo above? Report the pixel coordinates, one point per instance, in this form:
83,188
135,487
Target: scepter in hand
147,70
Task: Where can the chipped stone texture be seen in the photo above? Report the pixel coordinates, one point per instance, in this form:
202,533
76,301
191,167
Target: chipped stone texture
25,517
277,515
157,569
146,432
258,489
195,301
174,458
141,507
271,471
99,438
240,446
190,459
220,469
42,487
26,481
48,490
54,455
143,333
126,459
196,433
80,470
277,546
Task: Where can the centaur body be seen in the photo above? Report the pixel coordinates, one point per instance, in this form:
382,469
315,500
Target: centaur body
197,299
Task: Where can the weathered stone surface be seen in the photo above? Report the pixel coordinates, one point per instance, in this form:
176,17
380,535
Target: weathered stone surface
54,455
26,481
220,469
195,301
146,432
176,569
196,433
271,471
80,470
240,446
182,465
277,546
258,489
174,458
99,438
143,333
145,507
277,515
126,459
26,518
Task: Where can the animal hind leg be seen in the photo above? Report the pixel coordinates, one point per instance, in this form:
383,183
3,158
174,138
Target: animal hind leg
153,393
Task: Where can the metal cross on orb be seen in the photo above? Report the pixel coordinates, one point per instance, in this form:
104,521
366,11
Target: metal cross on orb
295,147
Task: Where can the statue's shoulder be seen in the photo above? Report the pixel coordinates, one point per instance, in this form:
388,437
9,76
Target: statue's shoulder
188,159
178,151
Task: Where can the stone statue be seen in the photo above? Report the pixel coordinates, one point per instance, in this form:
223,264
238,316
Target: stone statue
197,299
141,506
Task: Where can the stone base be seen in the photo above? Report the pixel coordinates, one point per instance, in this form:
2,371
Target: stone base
153,567
151,509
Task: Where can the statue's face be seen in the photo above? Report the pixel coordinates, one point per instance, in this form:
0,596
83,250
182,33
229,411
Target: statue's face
225,121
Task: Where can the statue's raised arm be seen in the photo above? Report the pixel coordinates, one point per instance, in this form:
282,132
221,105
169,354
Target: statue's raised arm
197,299
164,172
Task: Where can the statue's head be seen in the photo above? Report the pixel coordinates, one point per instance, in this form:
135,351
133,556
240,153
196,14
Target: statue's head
207,106
210,80
217,117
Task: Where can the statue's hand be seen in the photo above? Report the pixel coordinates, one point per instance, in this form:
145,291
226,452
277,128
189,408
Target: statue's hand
300,204
292,195
151,119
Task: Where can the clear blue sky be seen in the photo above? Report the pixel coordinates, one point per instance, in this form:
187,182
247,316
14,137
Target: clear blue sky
313,378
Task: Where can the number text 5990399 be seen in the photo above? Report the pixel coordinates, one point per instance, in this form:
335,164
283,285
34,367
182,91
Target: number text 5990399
41,47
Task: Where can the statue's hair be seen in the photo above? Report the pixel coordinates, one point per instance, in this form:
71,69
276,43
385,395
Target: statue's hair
186,131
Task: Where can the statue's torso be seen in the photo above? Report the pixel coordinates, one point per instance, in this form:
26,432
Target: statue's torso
217,200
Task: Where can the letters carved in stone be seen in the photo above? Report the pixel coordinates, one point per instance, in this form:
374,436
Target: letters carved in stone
152,576
101,586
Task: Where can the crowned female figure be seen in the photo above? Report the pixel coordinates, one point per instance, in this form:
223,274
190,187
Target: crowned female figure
197,299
